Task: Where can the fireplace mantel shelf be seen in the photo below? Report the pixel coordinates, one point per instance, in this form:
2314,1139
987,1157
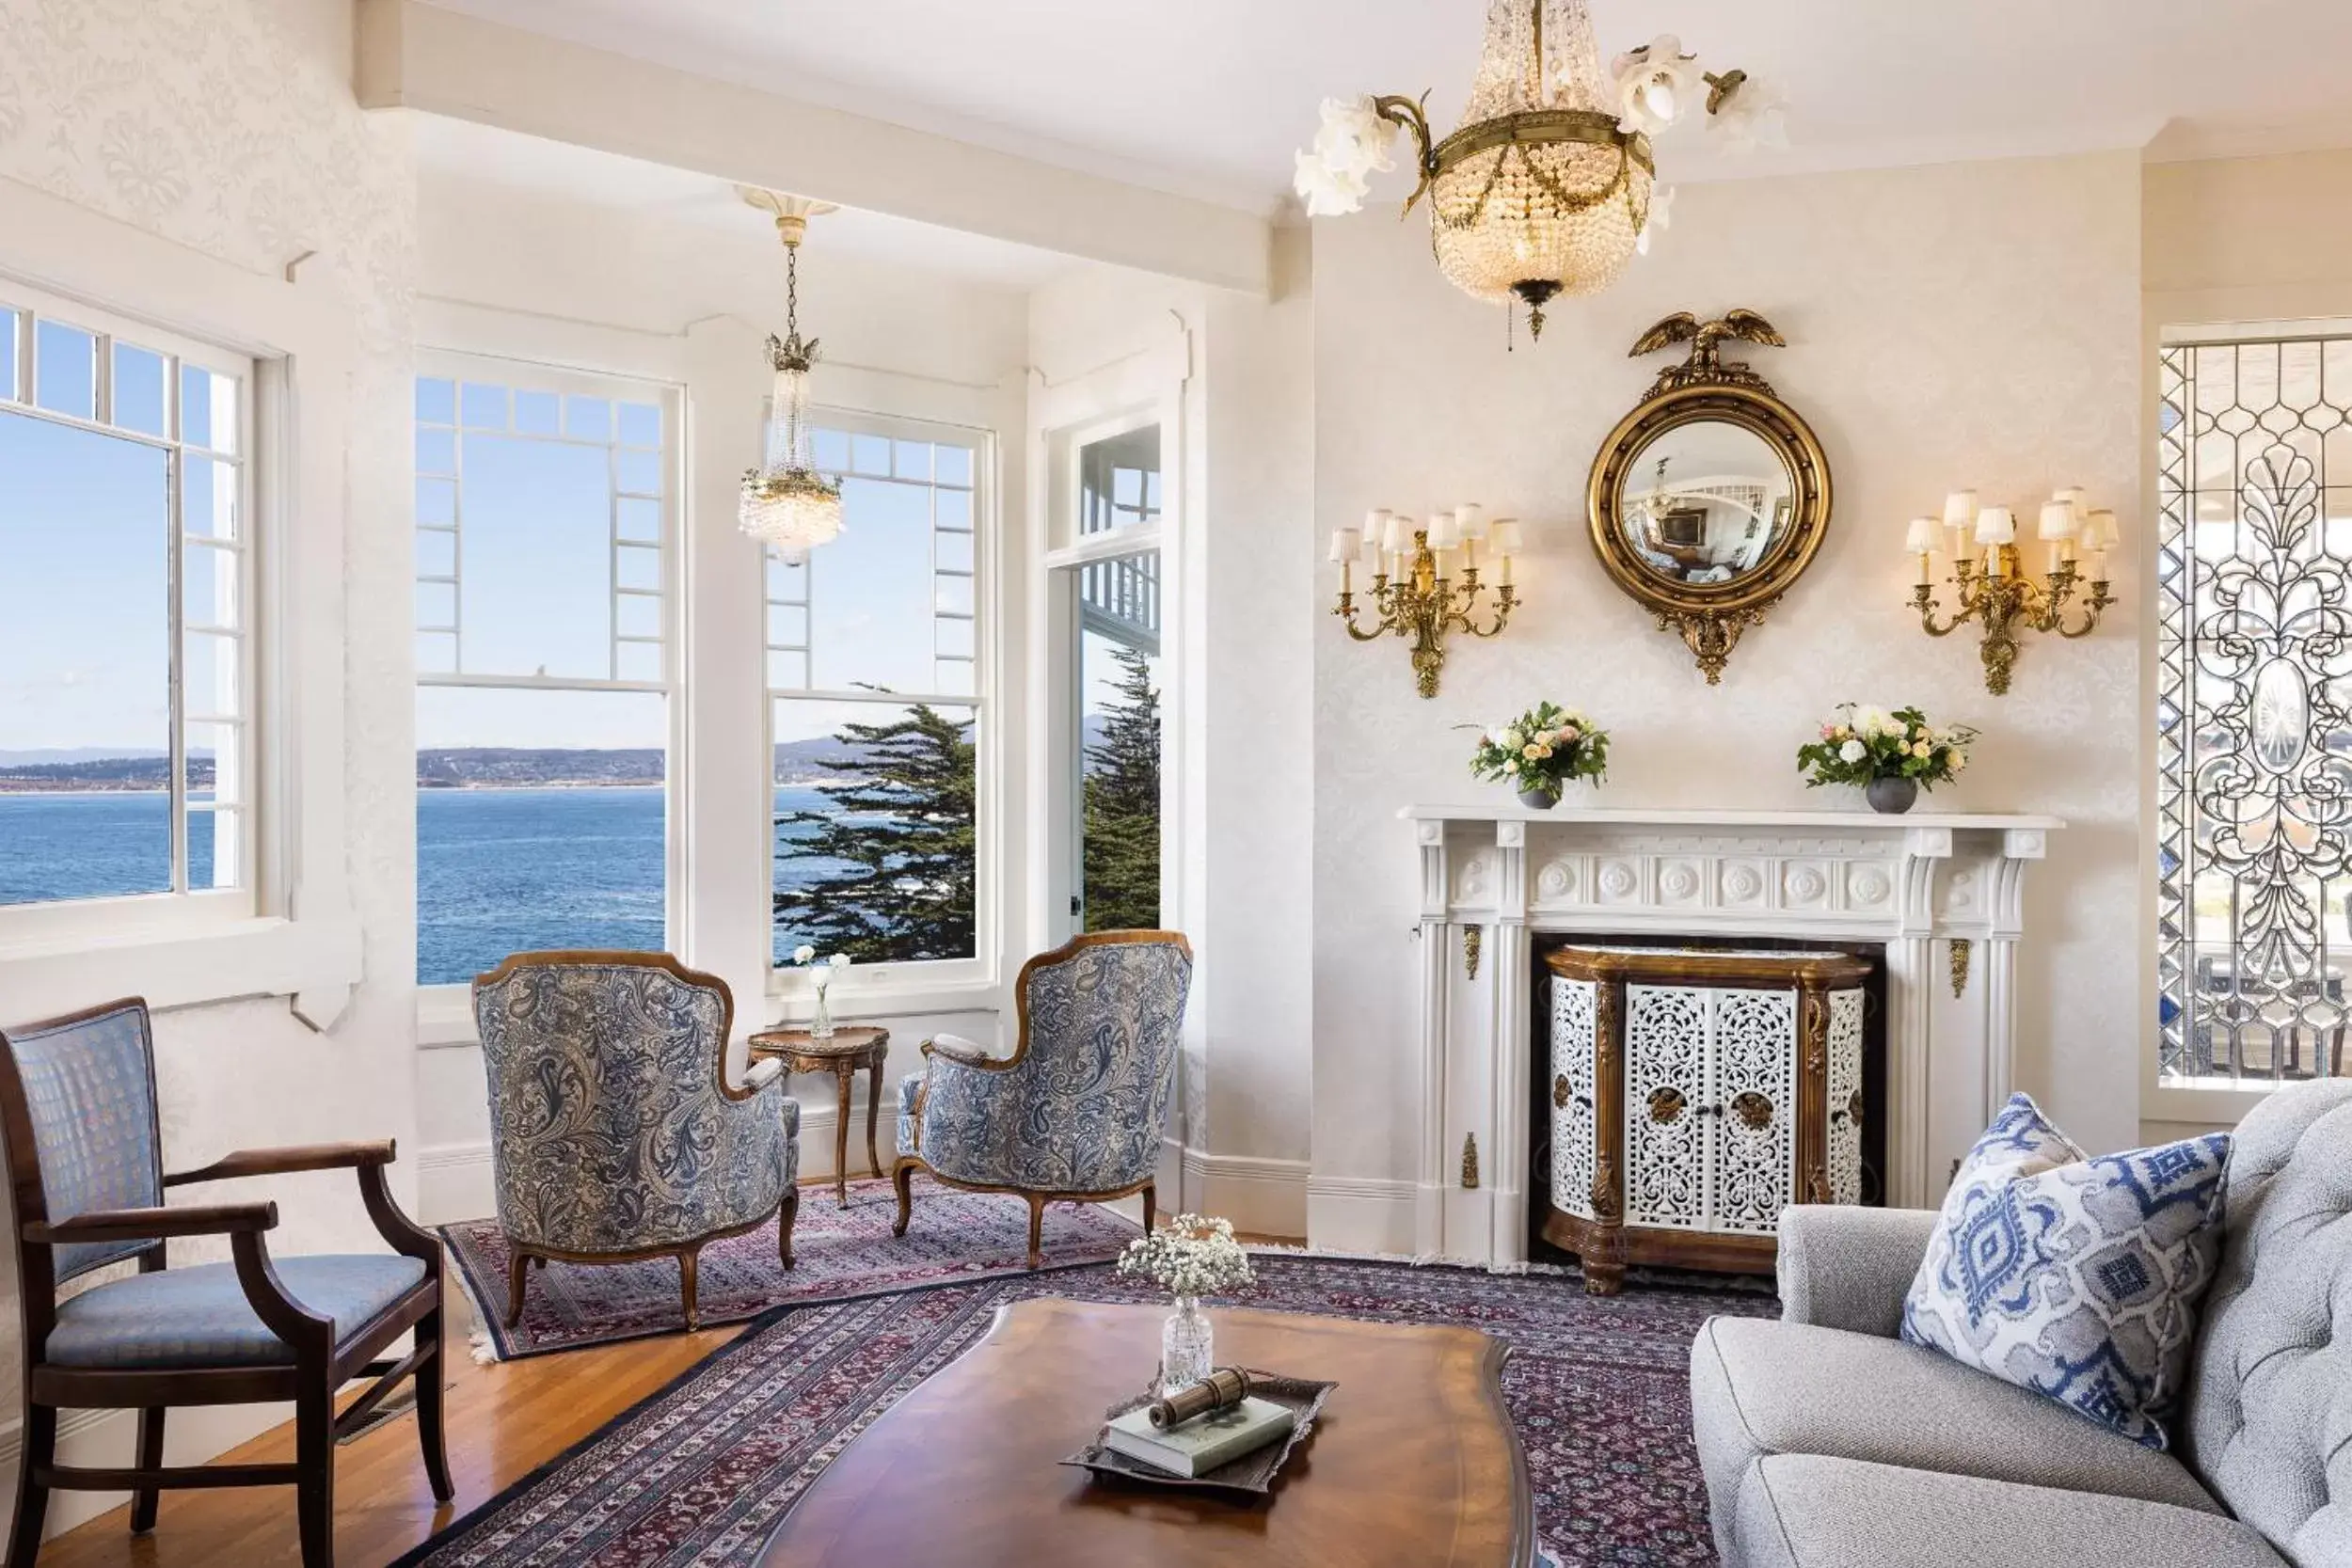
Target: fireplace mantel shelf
1617,817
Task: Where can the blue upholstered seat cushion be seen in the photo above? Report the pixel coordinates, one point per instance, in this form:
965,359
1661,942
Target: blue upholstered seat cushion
199,1317
2079,1278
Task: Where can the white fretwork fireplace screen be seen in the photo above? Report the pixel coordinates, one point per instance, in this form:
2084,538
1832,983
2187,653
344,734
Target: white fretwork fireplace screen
2253,740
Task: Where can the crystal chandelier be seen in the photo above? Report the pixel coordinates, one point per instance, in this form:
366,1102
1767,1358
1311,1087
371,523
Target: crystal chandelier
1546,188
786,503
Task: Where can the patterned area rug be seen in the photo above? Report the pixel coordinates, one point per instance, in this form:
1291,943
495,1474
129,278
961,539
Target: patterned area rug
698,1475
838,1253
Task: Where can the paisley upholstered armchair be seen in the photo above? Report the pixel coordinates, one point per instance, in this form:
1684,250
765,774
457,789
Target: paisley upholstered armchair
615,1134
1075,1112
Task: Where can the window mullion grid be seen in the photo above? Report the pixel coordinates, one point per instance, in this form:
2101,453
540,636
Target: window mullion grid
175,507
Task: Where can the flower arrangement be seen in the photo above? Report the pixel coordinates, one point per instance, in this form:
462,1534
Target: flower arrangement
821,974
1192,1255
1541,751
1869,746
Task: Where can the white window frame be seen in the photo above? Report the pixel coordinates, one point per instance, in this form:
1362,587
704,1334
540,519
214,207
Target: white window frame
2208,1101
292,931
32,306
516,373
1067,551
989,886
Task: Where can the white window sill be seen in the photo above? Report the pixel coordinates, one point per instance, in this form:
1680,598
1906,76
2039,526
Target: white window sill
2217,1102
315,960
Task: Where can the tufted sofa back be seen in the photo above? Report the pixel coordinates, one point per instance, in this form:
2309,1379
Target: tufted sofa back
2268,1422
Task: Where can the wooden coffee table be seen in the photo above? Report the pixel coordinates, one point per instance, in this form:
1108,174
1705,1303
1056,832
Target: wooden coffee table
1414,1460
848,1053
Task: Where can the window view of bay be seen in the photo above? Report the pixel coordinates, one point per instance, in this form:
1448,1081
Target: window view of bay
76,825
524,849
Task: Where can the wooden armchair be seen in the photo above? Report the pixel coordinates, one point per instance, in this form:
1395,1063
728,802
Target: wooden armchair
78,1114
1076,1111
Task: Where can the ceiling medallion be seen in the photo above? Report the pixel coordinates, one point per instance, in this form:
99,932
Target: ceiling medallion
786,503
1548,186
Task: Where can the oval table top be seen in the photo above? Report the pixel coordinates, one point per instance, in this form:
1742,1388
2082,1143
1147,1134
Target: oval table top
1413,1462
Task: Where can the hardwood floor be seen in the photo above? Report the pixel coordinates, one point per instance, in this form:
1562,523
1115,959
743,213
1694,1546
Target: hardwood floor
503,1421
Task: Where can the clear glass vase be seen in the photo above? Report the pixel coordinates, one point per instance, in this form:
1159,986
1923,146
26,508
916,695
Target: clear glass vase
1187,1346
821,1023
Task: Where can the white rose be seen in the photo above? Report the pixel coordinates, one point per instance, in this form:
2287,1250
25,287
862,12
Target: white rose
1513,741
839,960
1511,764
801,955
1852,751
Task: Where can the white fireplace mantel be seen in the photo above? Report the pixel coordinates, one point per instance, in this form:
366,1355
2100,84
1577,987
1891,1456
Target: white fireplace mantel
1494,877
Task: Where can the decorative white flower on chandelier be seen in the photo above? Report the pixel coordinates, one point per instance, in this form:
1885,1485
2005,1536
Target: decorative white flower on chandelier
1546,186
1352,145
1745,115
1655,84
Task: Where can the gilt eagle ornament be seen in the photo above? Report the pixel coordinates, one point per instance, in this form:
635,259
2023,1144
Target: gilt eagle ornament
1705,366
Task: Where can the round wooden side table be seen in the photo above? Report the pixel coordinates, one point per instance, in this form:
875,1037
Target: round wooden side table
849,1051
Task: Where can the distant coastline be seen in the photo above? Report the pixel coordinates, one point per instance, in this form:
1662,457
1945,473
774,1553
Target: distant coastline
802,764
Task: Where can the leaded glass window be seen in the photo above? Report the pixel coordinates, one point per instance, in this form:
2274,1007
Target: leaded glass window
2254,676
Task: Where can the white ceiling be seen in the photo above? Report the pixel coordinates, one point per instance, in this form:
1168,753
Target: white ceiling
463,150
1209,97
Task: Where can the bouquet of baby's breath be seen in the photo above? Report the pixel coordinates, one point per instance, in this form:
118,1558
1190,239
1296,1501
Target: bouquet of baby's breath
1192,1255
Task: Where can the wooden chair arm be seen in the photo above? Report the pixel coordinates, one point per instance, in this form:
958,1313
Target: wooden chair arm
963,1053
142,1225
284,1162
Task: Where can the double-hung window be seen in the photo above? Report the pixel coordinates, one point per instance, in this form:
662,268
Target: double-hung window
126,574
546,623
878,704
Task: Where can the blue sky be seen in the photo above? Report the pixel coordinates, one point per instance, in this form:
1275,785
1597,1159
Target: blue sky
85,527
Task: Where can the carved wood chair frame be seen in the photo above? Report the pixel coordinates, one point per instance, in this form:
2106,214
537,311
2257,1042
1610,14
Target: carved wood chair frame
319,1366
902,1172
524,1255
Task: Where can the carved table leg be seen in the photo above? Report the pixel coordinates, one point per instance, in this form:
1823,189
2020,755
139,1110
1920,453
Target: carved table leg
873,1106
845,1078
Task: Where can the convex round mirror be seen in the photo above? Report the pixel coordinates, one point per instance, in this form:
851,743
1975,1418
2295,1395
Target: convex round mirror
1711,496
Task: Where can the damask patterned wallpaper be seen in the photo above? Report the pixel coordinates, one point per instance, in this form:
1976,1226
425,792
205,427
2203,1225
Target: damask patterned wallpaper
1963,325
228,126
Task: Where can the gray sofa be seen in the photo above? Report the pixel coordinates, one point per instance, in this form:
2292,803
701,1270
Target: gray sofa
1828,1442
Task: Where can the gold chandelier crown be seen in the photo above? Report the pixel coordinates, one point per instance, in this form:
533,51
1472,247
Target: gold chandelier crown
1547,187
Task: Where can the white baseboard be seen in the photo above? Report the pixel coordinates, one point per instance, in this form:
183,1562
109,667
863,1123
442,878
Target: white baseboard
454,1183
1362,1214
1264,1198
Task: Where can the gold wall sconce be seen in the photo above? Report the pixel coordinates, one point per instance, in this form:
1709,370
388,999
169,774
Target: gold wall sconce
1425,581
1995,592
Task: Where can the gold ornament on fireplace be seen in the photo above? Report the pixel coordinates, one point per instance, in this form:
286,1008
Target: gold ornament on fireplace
1990,584
1710,499
1426,579
1469,1159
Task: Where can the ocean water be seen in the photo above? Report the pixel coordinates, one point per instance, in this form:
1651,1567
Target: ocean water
498,871
94,845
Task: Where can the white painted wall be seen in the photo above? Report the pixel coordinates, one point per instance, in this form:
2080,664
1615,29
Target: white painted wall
228,127
1962,325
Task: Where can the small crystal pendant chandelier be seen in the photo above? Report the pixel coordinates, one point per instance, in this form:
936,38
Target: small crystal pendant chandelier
786,503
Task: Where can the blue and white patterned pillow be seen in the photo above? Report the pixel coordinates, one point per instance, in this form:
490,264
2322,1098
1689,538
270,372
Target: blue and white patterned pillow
2075,1277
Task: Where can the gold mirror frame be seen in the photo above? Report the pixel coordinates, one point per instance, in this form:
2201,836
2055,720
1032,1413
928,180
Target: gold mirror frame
1710,616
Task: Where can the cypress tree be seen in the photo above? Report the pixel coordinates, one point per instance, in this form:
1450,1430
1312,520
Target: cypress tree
901,836
1123,804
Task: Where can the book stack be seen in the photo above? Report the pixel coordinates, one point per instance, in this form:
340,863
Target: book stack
1194,1447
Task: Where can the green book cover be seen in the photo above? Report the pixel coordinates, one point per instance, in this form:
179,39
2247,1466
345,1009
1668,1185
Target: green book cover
1203,1443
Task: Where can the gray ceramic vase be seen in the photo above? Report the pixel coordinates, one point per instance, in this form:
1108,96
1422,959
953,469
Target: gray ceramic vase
1894,796
1539,800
